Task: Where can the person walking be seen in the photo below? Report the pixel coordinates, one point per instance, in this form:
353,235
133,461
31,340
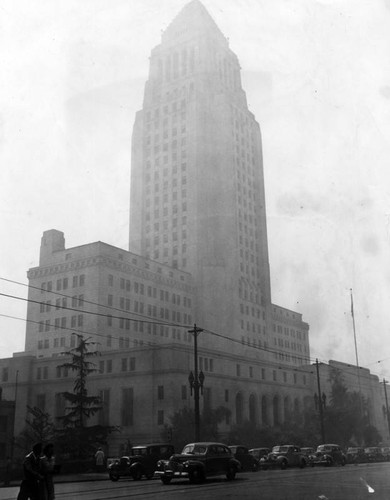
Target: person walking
47,469
30,485
99,460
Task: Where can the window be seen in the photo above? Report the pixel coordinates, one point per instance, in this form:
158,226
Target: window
124,364
160,417
226,395
238,370
82,279
160,392
75,281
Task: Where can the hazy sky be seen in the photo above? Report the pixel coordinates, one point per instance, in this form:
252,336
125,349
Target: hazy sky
317,78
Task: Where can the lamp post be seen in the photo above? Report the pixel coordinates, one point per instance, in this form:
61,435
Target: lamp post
321,401
196,381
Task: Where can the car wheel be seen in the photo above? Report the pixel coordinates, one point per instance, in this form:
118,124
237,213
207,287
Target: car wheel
255,467
329,462
343,461
114,477
137,474
196,476
302,465
283,464
166,480
231,473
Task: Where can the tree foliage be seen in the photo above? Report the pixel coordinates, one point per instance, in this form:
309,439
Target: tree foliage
39,428
76,438
82,406
346,417
182,426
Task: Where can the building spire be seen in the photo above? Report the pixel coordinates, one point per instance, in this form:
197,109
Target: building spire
192,19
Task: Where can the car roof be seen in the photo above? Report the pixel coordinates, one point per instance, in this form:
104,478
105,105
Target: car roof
205,443
152,444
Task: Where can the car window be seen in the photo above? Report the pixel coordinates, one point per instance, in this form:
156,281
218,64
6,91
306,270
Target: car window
201,449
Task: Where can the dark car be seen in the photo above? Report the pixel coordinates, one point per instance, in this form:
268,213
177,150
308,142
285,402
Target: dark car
142,461
259,453
386,453
356,455
309,453
284,456
197,462
373,454
329,454
247,460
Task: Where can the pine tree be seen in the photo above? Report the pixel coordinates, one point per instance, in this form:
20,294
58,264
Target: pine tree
82,406
77,439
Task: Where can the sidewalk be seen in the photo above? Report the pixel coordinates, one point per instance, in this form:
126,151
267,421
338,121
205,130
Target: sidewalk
69,478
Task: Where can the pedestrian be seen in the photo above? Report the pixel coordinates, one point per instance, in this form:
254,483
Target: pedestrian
29,488
47,469
99,460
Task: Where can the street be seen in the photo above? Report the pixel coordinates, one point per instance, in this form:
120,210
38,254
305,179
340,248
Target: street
335,483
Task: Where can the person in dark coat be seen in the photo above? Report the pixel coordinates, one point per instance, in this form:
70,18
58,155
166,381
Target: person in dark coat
47,470
29,488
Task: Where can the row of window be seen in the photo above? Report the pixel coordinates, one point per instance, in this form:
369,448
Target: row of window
148,290
63,283
76,301
61,323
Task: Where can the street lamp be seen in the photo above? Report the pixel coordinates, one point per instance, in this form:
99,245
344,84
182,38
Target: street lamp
321,402
196,381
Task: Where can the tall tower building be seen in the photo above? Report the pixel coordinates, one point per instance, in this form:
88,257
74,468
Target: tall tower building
197,183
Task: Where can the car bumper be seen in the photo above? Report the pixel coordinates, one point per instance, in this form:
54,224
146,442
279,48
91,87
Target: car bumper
171,474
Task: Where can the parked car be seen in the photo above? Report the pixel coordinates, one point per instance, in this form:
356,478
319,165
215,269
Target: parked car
386,453
247,460
373,454
356,455
197,462
284,456
309,453
142,461
259,453
329,454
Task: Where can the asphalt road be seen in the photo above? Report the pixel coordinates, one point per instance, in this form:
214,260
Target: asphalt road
335,483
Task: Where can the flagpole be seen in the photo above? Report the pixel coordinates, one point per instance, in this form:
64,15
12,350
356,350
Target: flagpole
356,355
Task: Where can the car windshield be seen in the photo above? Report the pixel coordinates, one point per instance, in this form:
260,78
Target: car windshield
198,449
323,447
139,451
276,449
284,449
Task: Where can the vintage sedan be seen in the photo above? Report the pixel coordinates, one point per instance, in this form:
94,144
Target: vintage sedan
197,462
329,454
141,461
373,454
247,460
284,456
356,455
259,453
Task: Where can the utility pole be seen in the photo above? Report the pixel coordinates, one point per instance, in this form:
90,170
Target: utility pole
320,408
387,405
196,381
